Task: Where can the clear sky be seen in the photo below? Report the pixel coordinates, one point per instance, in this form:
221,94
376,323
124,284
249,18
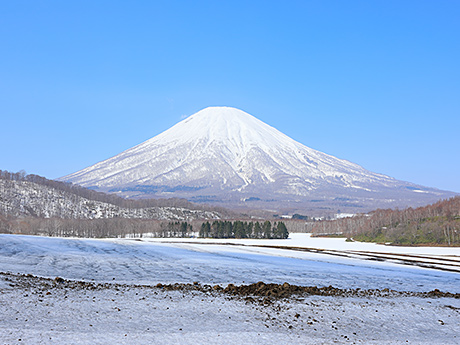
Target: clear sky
373,82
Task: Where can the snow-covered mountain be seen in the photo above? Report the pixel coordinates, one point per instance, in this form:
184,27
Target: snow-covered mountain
226,156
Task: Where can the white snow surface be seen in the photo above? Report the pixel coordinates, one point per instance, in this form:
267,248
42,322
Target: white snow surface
145,316
137,315
226,153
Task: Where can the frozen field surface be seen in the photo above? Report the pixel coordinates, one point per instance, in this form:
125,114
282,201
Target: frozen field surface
34,311
152,262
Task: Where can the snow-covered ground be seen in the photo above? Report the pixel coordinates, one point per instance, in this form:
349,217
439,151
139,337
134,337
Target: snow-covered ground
138,315
151,261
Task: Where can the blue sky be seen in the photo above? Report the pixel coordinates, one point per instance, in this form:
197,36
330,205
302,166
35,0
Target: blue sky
373,82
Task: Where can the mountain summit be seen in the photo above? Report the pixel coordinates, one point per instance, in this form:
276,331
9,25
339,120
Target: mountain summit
225,156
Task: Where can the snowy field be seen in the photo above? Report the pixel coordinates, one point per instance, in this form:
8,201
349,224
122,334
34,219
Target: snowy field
153,261
130,314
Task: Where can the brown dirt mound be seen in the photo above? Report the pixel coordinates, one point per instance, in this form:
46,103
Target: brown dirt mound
260,289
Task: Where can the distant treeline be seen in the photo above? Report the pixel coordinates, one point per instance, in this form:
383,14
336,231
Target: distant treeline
435,224
123,227
239,229
107,198
96,228
88,228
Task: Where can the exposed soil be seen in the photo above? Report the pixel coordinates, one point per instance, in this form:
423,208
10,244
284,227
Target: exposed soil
257,292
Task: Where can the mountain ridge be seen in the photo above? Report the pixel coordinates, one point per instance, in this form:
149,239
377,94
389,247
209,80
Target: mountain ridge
35,196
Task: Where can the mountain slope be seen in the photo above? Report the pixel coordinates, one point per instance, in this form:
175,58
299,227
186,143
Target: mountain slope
19,198
229,157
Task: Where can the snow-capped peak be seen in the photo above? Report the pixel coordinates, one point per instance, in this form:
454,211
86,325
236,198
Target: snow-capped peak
225,125
226,154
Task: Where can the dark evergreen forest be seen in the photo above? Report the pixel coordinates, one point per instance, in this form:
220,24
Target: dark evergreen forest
240,229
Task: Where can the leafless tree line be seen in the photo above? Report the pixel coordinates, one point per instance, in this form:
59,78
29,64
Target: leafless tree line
109,227
438,223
